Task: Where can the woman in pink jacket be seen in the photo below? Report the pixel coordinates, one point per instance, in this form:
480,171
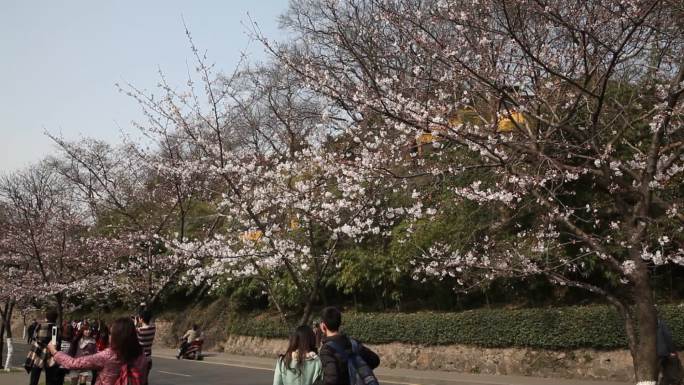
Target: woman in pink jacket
124,350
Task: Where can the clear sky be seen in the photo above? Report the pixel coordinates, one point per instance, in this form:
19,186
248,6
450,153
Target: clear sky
59,61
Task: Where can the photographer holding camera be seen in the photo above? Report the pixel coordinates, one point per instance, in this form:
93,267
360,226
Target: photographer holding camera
39,358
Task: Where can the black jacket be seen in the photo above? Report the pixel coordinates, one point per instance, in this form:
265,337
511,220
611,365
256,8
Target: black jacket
335,370
664,342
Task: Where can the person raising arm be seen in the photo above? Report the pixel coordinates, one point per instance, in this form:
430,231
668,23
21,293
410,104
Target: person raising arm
125,355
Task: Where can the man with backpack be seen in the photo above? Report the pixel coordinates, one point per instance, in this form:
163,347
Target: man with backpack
345,360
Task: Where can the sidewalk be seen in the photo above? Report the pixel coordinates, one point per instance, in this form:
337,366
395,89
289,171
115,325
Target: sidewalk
13,378
395,376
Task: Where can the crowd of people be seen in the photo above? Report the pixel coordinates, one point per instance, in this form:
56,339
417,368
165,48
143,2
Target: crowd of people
88,352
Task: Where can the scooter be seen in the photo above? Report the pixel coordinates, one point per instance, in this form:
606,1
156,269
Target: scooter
194,351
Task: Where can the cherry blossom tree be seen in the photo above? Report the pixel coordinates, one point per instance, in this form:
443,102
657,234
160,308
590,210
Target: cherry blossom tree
46,245
285,195
15,295
7,304
139,201
566,118
16,282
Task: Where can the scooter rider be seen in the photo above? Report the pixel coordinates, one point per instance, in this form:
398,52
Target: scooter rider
188,338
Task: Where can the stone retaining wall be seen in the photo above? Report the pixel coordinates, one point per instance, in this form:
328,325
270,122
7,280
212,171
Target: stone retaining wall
18,325
579,364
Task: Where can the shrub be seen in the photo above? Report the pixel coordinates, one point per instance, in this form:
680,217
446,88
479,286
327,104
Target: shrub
598,327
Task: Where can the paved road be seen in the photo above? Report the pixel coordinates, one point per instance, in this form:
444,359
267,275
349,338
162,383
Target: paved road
168,371
19,356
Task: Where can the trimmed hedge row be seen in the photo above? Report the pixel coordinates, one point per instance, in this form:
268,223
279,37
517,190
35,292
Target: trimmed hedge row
598,327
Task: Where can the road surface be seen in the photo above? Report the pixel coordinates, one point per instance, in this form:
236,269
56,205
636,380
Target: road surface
168,371
19,356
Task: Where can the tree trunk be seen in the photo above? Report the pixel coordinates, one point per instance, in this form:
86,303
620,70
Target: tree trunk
23,322
9,309
324,298
2,339
5,325
10,353
643,330
149,276
60,308
308,307
274,300
306,316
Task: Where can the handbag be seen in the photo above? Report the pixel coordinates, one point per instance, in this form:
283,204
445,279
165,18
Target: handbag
129,375
38,357
30,359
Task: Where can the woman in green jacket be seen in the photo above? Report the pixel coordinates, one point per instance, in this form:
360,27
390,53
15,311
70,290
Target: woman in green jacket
300,364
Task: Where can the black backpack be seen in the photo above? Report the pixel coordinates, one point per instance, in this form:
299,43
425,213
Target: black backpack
359,371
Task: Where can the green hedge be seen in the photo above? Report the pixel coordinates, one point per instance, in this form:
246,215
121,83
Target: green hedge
598,327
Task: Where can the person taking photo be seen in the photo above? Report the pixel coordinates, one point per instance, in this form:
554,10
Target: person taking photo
124,357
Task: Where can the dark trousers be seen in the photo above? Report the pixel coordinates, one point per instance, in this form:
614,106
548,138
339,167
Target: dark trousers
183,348
52,376
671,370
149,370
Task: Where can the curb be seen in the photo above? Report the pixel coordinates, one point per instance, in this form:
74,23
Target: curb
406,377
383,378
